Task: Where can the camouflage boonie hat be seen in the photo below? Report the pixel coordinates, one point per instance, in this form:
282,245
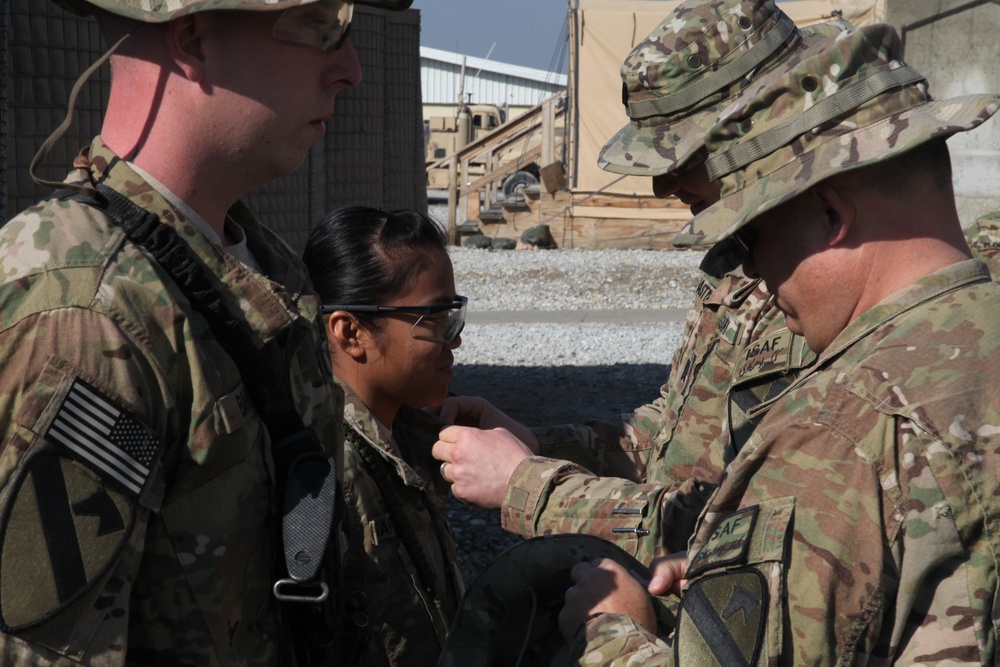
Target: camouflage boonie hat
840,105
510,614
159,11
676,80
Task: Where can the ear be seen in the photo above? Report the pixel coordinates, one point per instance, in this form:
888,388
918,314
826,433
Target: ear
347,335
184,44
839,210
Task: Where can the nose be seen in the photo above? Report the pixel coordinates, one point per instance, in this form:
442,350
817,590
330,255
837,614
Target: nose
665,185
455,343
345,68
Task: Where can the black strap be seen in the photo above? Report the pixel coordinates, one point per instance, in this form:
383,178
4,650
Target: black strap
305,477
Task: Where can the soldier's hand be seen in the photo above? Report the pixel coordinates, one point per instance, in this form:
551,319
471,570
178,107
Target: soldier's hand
476,411
668,574
478,464
604,586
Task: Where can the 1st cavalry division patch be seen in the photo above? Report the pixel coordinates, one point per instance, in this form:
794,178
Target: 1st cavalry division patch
62,525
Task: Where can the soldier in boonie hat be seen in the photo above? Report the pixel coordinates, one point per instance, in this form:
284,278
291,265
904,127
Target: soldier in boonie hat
676,80
842,105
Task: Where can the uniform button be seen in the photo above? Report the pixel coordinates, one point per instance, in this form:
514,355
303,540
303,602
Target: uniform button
694,61
746,125
809,84
744,22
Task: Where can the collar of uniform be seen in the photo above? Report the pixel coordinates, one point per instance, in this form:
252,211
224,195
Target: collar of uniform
271,303
924,289
359,417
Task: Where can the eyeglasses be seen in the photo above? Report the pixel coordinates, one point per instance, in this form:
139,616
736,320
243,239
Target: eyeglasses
437,324
324,24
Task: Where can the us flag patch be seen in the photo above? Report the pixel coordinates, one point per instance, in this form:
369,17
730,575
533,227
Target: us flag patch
106,438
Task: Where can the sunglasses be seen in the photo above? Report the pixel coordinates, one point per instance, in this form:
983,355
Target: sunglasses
324,24
437,324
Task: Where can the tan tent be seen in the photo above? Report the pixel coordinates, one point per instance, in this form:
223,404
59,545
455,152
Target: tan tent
603,32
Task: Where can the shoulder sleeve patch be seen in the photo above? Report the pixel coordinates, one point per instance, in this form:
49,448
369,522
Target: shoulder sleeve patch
61,529
728,545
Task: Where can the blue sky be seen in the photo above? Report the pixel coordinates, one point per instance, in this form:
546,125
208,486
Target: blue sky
524,32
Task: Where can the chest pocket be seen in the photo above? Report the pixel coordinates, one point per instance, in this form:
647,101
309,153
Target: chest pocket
732,612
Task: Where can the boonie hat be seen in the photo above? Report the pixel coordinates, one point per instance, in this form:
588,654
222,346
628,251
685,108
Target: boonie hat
680,76
842,104
510,613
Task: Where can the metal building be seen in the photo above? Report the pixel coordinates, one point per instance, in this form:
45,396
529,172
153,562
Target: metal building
512,87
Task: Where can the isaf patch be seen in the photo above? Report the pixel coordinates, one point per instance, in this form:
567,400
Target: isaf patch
728,545
721,620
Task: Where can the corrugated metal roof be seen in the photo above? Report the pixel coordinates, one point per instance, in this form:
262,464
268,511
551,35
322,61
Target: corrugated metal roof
486,81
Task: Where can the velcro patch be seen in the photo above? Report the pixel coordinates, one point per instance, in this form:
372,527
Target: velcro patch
382,528
773,354
722,619
730,328
112,442
61,528
728,545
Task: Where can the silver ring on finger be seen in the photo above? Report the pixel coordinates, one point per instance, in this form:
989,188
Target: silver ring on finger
443,476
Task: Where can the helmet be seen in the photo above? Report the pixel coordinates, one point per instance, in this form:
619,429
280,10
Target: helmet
166,10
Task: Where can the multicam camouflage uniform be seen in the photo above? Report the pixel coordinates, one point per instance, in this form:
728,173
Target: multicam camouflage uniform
161,553
857,525
401,555
983,236
659,464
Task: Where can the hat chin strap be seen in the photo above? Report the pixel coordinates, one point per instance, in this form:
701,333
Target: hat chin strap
834,106
57,134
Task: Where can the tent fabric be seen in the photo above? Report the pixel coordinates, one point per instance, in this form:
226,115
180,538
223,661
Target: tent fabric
604,32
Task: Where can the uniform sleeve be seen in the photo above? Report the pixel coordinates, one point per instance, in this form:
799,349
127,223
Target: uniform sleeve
615,640
80,472
620,447
546,496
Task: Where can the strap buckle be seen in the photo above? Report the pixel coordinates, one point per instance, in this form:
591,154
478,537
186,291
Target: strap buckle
289,590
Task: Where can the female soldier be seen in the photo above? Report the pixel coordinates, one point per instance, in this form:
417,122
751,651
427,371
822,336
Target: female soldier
392,320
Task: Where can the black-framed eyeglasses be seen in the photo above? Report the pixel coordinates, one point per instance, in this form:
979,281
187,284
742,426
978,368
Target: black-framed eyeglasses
324,24
440,323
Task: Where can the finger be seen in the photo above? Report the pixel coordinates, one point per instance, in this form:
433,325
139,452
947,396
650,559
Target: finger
449,410
581,571
442,450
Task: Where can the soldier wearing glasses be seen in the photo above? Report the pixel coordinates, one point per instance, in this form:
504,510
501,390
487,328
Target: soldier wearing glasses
393,321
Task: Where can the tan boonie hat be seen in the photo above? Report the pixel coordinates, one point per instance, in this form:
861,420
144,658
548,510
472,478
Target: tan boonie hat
679,77
840,105
159,11
510,613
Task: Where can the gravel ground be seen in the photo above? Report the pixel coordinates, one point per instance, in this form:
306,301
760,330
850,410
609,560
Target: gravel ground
550,373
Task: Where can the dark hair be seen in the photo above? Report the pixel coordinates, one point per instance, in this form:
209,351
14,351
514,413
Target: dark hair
360,255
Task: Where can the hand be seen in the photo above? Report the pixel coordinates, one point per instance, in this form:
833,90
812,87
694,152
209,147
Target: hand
668,574
604,586
479,463
476,411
